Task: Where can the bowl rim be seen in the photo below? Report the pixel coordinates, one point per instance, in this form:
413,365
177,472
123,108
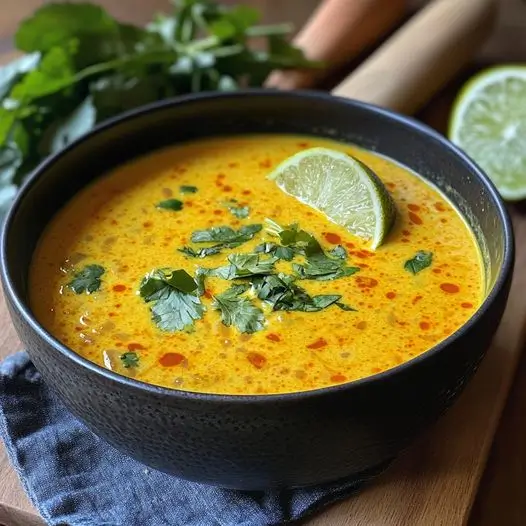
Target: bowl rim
176,394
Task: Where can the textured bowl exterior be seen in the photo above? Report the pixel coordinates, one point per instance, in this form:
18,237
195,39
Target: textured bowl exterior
258,442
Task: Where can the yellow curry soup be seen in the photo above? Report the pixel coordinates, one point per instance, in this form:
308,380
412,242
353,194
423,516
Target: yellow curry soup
92,286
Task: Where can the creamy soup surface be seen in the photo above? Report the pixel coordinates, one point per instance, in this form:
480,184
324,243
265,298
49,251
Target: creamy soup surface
116,231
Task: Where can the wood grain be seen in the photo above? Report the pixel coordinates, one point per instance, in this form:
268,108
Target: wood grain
434,482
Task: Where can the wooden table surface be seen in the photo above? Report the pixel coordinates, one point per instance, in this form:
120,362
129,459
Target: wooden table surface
500,498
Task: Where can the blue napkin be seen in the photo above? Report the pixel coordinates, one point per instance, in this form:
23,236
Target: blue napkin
76,479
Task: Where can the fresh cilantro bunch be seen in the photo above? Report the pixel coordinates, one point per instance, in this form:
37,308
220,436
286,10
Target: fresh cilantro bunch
83,66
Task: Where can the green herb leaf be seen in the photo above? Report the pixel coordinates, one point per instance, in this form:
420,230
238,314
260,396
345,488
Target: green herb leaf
422,260
338,252
184,189
171,204
279,252
239,311
226,234
295,237
87,280
202,252
323,268
244,266
176,306
345,307
241,212
129,359
281,292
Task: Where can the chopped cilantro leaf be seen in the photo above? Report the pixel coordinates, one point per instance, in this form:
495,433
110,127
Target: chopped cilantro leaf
87,280
129,359
244,266
184,189
338,252
202,252
279,252
175,303
283,294
238,310
322,268
225,234
422,260
241,212
171,204
345,307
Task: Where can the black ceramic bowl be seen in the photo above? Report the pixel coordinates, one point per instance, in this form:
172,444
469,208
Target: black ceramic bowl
256,442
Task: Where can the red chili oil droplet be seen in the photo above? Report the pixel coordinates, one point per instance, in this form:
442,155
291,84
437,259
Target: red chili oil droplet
437,271
202,211
114,222
207,294
318,344
273,337
147,224
450,288
440,207
415,218
246,192
256,359
405,240
335,239
443,220
189,203
362,265
119,288
118,344
265,164
117,305
135,346
376,370
227,188
111,314
391,295
221,176
424,325
406,233
338,378
233,165
361,325
218,212
303,145
416,299
349,245
219,184
365,282
170,359
413,208
467,305
391,185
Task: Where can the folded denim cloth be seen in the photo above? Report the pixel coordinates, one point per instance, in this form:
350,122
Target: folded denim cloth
76,479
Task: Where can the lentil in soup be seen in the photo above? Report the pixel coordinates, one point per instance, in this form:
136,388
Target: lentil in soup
266,319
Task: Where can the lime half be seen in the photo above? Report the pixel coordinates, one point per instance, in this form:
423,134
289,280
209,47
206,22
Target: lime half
489,123
343,188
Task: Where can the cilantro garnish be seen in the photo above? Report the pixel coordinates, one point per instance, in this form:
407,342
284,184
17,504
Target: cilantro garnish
422,260
129,359
226,234
202,252
173,294
171,204
87,280
279,252
241,212
238,310
185,189
244,266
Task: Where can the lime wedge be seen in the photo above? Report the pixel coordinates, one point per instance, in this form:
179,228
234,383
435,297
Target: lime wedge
489,123
343,188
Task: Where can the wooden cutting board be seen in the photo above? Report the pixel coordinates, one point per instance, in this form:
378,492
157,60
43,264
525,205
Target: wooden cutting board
435,481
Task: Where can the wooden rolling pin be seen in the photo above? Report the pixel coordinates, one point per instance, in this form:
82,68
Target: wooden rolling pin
422,56
411,66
